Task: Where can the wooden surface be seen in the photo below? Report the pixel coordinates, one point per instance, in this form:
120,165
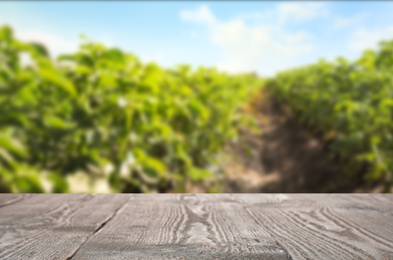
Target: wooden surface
202,226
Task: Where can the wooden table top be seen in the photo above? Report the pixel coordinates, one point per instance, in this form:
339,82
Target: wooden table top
196,226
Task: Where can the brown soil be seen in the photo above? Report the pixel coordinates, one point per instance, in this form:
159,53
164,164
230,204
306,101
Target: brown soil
283,158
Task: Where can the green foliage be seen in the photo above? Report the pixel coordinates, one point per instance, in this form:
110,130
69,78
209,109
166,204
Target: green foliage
99,120
352,103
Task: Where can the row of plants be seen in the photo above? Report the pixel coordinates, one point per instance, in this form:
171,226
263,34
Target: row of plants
100,120
351,104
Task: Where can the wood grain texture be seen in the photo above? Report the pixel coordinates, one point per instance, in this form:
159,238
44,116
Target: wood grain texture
182,227
198,226
53,226
8,199
336,226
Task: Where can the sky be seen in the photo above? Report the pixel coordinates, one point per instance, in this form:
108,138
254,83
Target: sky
262,37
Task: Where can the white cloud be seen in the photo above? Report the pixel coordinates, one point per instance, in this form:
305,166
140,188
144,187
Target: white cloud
107,40
286,13
262,47
256,15
341,23
156,56
55,44
362,39
300,12
200,15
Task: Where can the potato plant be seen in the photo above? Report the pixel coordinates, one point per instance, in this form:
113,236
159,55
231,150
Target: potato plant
351,103
100,120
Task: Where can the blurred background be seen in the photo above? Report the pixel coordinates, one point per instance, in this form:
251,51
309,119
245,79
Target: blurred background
196,97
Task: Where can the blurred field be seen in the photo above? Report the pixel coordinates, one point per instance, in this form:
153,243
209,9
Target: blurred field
286,156
100,120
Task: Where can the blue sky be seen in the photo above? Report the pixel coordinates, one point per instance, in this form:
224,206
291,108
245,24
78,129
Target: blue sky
264,37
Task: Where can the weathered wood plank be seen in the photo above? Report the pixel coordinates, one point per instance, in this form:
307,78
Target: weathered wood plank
53,226
334,226
182,227
8,199
202,226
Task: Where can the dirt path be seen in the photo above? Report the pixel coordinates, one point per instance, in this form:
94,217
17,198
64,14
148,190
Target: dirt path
283,158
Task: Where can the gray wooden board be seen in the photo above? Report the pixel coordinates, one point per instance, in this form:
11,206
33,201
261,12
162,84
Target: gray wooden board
197,226
53,226
7,199
182,227
336,226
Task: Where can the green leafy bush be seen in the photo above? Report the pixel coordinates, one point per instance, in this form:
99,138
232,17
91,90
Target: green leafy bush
351,103
99,120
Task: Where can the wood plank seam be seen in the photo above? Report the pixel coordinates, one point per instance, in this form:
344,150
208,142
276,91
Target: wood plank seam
289,257
148,229
98,230
202,226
